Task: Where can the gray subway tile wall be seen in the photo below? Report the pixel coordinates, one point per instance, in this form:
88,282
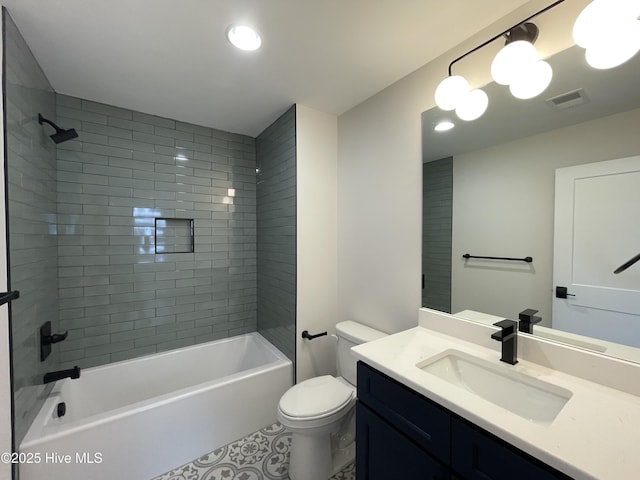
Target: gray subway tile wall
119,297
437,203
276,233
82,238
31,188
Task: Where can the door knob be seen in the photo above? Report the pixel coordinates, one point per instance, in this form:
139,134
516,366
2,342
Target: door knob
561,292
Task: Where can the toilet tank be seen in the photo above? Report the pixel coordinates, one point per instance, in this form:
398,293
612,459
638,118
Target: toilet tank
350,334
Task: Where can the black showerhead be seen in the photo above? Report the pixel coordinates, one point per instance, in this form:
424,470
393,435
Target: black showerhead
61,135
64,135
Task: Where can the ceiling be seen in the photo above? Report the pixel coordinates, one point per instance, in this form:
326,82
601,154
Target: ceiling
171,58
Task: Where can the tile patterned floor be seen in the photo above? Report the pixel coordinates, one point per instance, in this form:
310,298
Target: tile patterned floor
263,455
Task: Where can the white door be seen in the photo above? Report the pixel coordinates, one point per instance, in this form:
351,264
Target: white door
597,229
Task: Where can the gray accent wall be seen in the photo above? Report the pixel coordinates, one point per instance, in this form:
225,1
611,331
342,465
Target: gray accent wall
119,298
276,198
31,187
437,204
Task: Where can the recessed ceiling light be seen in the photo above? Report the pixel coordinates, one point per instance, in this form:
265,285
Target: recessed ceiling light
444,126
244,37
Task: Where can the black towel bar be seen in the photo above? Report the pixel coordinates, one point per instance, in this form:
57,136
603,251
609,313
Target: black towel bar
525,259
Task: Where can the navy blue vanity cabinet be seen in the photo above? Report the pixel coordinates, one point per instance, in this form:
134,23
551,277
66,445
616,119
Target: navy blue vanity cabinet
478,455
402,434
383,453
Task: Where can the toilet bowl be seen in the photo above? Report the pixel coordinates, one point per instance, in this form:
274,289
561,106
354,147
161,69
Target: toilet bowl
320,412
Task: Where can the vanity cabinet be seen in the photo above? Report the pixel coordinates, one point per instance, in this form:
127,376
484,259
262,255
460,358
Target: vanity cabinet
384,453
402,434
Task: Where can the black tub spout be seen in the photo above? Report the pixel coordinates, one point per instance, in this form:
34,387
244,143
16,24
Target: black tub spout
60,374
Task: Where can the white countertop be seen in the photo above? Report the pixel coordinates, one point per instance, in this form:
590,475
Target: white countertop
596,434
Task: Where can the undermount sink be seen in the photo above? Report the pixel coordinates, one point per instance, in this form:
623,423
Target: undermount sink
514,391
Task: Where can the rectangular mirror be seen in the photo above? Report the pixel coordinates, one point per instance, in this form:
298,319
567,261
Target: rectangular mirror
504,168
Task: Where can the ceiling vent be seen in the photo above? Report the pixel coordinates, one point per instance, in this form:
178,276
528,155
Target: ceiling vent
568,99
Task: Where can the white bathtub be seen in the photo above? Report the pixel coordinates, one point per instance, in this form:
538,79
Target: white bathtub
140,418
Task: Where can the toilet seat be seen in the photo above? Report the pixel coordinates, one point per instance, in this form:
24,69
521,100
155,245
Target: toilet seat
316,398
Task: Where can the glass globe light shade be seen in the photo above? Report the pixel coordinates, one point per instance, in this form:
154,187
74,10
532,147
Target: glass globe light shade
532,80
587,23
450,91
473,105
615,49
601,19
511,59
603,58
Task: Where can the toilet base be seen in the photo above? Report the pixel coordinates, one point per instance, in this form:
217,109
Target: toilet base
312,458
343,457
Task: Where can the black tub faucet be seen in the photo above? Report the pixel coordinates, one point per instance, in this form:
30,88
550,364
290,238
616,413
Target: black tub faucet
60,374
527,320
508,337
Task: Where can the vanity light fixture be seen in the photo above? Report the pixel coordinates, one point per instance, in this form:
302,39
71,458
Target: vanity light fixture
517,66
444,126
609,31
244,37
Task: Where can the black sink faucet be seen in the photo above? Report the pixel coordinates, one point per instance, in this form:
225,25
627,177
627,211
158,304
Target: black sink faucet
527,319
60,374
508,337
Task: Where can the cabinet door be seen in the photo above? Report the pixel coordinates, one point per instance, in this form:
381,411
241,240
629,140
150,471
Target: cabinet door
418,418
383,453
476,455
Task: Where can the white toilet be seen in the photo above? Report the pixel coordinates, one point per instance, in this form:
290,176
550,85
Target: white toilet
320,412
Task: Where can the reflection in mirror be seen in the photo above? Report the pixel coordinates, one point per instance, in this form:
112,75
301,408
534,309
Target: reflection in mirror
437,198
504,184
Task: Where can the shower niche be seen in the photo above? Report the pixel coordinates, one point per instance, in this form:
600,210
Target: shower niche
174,235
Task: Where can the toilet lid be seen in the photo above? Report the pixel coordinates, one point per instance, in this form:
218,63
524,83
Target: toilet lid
315,397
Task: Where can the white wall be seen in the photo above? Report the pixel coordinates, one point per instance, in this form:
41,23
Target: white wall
380,172
503,204
5,385
379,219
316,303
